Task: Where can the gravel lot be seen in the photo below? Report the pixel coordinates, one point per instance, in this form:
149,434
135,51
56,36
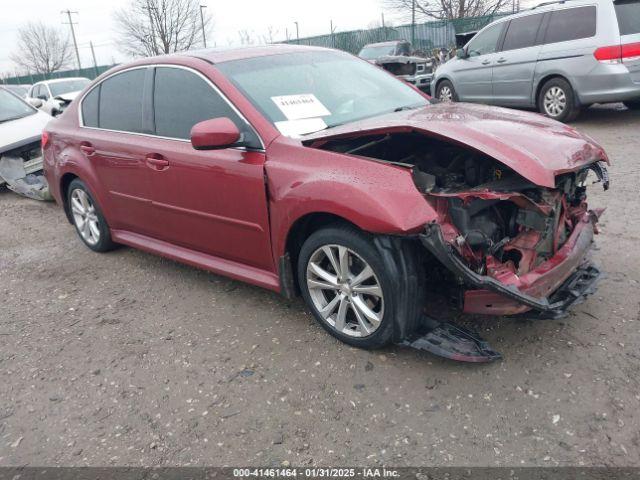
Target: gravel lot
130,359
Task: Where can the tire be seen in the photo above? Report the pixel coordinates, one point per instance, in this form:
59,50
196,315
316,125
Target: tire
382,300
557,100
445,92
632,104
94,231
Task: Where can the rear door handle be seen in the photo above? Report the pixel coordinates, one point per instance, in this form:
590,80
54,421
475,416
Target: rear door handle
502,60
157,162
87,148
486,62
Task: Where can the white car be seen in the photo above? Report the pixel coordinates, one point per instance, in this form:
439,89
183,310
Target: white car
21,128
56,95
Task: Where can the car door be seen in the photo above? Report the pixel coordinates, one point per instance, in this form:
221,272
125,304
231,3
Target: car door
472,75
111,128
515,65
212,201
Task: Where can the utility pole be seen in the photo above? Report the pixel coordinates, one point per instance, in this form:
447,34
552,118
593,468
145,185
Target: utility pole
384,28
73,35
93,54
297,33
413,24
333,39
204,37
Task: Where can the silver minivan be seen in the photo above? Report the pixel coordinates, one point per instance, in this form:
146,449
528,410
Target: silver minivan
557,57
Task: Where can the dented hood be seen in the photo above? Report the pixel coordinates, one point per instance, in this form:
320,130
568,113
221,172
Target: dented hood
536,147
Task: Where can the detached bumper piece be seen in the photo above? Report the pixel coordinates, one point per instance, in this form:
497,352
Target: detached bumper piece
453,342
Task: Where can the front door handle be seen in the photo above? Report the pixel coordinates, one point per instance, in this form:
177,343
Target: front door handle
502,60
486,62
155,161
87,148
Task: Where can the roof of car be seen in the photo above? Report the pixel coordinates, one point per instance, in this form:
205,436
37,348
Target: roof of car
58,80
220,55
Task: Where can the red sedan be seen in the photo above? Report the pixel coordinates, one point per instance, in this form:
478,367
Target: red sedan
309,171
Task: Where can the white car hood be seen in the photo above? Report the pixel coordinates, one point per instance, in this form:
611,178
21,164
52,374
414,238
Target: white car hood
68,96
16,133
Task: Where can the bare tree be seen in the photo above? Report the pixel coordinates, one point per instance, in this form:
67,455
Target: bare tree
41,49
154,27
447,9
270,35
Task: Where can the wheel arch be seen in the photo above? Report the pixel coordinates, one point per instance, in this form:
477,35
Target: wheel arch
65,181
550,76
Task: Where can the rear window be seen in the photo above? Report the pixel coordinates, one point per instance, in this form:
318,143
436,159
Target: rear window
522,32
571,24
628,12
120,105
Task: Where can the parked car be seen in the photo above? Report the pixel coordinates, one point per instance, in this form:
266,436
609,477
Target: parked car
21,128
19,89
57,94
395,56
558,58
308,171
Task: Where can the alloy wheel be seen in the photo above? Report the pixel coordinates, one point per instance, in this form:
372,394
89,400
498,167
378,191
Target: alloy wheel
85,216
446,95
555,101
345,290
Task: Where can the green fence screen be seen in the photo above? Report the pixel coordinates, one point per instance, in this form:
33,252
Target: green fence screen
90,73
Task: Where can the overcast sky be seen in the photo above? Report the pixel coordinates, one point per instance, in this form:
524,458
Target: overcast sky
95,21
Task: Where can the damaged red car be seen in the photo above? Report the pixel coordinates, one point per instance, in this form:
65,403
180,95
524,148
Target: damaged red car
310,172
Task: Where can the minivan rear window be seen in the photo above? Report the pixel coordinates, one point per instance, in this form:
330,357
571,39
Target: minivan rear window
571,24
628,12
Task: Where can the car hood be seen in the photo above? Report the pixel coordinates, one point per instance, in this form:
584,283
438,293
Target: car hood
536,147
27,129
68,97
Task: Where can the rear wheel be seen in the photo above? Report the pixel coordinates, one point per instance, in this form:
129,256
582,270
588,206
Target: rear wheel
87,218
632,104
446,92
347,286
557,100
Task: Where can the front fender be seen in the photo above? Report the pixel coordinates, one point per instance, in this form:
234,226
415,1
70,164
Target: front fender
376,197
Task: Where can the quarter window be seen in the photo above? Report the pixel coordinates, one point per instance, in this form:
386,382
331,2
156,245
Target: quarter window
522,32
90,108
486,42
181,99
571,24
120,105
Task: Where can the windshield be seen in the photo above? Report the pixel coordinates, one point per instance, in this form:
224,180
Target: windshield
60,88
12,108
310,91
371,53
17,89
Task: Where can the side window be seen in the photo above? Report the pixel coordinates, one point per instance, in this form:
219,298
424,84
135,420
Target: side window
44,91
522,32
181,99
120,105
571,24
90,108
486,42
35,91
628,13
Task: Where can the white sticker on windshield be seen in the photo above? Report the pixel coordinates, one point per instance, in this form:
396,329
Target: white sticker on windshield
296,128
296,107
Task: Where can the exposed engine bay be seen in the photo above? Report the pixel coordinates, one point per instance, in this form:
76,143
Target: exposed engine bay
500,223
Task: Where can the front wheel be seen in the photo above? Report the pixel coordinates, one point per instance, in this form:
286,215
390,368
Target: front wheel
351,290
557,100
445,92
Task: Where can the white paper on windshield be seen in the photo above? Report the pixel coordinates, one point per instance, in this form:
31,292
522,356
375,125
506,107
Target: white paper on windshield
296,107
296,128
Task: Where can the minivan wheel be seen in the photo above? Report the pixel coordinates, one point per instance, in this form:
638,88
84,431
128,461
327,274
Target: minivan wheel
446,92
347,286
557,100
87,218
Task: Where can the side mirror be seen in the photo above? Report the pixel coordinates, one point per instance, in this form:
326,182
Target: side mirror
214,134
42,97
35,102
462,54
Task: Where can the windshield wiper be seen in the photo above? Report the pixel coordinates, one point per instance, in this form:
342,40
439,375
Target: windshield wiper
12,118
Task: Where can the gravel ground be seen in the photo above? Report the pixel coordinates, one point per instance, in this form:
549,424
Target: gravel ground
130,359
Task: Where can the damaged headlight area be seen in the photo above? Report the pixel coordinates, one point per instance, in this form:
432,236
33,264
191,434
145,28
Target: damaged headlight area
510,245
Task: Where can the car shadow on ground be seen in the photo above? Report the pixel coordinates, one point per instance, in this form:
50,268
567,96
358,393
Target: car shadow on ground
607,114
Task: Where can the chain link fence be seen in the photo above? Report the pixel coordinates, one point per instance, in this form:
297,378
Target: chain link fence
424,36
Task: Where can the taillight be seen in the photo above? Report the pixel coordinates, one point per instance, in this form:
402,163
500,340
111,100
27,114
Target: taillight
45,139
618,53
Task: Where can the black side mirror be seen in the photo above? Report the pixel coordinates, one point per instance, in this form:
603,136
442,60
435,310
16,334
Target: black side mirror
42,97
462,54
